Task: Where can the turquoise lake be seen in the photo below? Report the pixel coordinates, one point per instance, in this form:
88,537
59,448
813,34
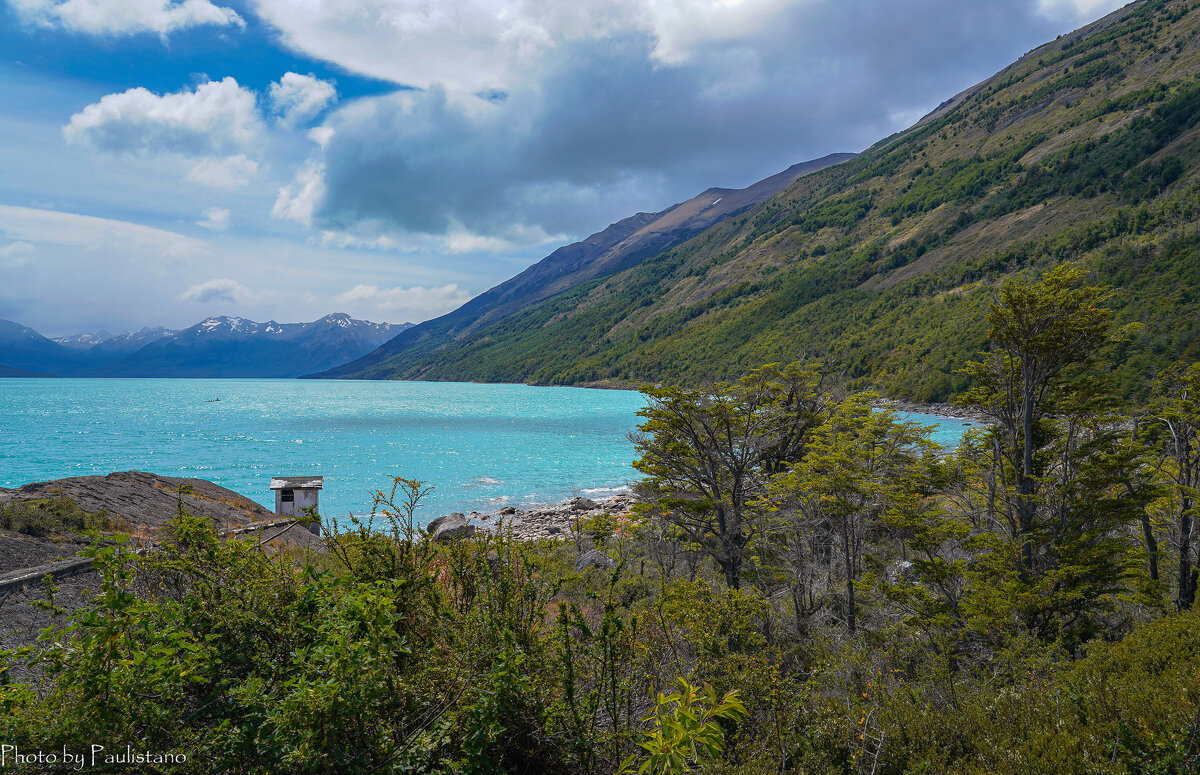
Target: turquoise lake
481,446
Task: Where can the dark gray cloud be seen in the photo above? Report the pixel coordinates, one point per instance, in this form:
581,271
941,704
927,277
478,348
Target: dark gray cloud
601,128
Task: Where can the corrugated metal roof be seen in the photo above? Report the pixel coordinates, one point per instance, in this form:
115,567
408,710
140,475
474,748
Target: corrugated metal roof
297,482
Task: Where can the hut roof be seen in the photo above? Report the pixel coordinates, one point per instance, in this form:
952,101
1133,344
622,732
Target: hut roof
297,482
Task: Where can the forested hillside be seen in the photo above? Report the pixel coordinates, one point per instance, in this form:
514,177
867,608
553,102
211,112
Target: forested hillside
1084,150
621,245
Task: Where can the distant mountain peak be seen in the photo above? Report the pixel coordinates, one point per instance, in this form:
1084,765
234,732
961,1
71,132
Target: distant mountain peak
217,346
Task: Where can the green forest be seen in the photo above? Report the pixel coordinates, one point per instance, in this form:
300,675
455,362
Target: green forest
807,585
882,267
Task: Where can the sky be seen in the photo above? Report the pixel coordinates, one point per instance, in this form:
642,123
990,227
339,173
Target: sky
162,161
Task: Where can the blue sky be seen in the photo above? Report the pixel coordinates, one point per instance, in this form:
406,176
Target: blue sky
164,161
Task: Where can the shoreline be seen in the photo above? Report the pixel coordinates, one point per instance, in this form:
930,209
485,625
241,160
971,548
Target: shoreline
557,522
952,411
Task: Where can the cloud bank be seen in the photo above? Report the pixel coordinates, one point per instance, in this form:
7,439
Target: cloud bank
124,17
218,291
536,118
399,304
27,224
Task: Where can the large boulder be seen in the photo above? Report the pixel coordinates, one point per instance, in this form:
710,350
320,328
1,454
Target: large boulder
595,559
451,528
433,526
584,504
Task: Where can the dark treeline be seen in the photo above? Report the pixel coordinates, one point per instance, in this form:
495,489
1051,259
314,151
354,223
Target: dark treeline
808,585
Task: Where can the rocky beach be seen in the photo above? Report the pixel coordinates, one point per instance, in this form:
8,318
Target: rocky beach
560,522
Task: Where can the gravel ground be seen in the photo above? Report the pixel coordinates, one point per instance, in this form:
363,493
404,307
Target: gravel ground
20,621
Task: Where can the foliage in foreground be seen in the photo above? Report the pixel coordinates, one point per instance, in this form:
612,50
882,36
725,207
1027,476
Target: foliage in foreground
807,586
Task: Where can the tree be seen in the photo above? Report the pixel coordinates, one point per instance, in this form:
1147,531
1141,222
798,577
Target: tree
1175,425
708,453
1059,463
860,464
1046,336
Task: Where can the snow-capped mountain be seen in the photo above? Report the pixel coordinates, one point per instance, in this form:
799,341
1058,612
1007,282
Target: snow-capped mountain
222,346
82,341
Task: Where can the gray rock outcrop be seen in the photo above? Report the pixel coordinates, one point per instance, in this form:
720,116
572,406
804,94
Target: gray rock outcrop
595,559
451,527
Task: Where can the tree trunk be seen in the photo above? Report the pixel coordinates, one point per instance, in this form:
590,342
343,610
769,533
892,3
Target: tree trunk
733,573
850,622
1151,545
1187,577
1025,505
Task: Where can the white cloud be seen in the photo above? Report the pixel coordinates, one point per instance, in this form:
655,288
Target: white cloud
321,135
229,172
459,239
16,254
376,234
218,118
220,290
475,45
1077,11
297,202
480,45
215,218
467,45
124,17
681,28
54,227
298,98
400,304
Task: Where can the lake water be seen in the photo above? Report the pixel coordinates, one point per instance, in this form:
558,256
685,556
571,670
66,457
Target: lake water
481,446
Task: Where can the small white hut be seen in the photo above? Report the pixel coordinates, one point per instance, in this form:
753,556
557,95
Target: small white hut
294,494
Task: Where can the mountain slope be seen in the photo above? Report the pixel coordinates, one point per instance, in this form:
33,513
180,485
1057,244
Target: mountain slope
622,245
1087,149
8,371
24,350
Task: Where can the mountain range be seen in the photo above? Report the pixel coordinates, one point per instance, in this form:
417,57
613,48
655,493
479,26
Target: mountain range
215,347
1085,150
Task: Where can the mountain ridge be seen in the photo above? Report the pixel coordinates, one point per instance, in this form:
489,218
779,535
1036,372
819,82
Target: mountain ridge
618,246
218,346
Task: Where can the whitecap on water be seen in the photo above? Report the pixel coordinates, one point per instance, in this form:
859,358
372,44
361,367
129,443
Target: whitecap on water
599,490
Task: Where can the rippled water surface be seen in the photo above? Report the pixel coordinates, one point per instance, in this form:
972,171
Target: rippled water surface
481,446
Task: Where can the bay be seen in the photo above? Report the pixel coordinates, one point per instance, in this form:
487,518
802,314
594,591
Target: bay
481,446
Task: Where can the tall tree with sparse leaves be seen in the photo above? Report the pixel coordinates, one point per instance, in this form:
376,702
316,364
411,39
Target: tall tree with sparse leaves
708,453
